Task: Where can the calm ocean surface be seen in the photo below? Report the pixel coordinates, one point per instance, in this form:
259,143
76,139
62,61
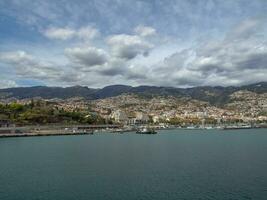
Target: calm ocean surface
174,164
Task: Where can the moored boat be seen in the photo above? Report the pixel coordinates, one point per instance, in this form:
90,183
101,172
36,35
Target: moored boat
146,130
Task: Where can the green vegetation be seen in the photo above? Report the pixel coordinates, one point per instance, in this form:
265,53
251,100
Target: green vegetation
41,112
263,113
180,121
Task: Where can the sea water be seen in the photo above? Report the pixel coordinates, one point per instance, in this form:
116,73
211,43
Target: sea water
173,164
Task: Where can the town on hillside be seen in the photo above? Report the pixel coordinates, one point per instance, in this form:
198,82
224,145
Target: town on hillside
245,109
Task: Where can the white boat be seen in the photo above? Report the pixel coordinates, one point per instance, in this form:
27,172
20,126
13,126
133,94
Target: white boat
146,130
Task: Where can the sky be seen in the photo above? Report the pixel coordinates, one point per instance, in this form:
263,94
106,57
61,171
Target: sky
176,43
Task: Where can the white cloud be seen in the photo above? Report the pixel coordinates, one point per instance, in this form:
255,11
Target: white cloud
240,58
59,33
15,57
145,31
235,58
4,83
28,66
128,46
87,57
85,33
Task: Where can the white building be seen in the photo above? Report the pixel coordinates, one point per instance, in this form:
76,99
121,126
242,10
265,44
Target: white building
156,119
141,118
119,116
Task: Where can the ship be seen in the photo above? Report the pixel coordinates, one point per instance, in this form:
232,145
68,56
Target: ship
146,130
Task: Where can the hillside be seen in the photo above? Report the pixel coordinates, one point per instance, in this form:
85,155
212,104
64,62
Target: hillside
214,95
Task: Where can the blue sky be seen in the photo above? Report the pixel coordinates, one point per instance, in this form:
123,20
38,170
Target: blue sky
179,43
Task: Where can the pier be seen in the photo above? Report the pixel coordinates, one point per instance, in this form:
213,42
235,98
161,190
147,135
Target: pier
55,130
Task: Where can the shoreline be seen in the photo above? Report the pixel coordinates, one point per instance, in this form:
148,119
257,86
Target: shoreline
57,132
39,135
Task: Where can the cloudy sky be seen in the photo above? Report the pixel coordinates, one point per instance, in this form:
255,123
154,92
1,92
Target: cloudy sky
179,43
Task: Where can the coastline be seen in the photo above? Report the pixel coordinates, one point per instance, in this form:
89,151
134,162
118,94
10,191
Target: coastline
36,131
39,134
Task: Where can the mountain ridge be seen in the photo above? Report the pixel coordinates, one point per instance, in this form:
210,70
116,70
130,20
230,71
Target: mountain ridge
215,95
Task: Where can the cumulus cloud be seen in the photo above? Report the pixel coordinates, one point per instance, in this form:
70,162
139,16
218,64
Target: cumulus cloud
239,58
113,67
137,73
16,57
230,56
88,57
128,46
244,50
110,62
87,33
69,33
91,60
145,31
59,33
28,66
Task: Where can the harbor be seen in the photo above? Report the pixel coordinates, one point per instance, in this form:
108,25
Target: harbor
59,130
63,130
